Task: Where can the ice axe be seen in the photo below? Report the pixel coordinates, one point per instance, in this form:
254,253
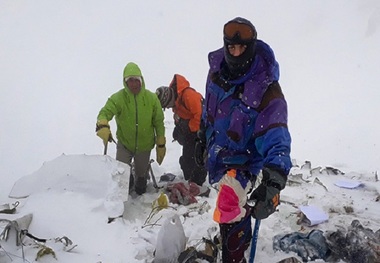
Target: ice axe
155,185
149,172
110,139
105,148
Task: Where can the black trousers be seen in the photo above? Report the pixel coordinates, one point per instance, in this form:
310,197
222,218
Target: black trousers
187,139
191,171
236,238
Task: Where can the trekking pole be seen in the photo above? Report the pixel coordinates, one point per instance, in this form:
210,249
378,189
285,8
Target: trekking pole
255,234
254,241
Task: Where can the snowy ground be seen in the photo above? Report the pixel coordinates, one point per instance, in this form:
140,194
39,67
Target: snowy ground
65,200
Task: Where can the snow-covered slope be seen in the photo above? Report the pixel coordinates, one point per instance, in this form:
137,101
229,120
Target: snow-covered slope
80,215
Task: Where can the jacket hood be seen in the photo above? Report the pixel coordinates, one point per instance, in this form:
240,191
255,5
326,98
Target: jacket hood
131,69
179,83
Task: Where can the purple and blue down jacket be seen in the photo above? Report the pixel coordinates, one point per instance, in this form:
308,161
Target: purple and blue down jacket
246,125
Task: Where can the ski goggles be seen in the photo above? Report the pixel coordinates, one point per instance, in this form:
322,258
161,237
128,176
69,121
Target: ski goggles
244,31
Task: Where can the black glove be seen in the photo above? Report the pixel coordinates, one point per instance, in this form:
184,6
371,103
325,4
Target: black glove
267,195
200,153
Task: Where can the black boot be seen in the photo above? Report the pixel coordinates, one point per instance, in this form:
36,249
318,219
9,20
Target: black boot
140,185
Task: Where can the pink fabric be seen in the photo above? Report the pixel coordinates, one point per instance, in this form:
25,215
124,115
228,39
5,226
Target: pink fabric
227,204
194,189
183,194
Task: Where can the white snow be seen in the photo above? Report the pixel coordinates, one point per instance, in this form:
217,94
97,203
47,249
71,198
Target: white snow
76,206
61,60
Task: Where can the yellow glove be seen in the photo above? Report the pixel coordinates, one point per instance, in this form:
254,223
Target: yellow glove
160,149
103,131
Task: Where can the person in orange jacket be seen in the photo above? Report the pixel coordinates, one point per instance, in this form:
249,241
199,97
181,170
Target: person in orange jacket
186,104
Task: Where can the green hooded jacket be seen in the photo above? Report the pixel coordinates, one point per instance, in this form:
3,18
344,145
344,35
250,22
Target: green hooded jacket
139,118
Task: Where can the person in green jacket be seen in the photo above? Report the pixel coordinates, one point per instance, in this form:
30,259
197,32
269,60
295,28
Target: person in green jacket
140,125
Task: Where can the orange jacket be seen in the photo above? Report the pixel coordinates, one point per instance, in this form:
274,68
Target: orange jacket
188,104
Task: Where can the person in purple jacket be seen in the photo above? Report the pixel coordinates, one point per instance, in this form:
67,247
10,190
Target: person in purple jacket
244,132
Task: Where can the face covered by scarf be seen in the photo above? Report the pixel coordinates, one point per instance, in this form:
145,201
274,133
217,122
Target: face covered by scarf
239,31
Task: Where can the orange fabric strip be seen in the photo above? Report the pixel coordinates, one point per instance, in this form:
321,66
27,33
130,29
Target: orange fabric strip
232,173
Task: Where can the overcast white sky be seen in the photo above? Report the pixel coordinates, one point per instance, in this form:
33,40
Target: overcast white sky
60,60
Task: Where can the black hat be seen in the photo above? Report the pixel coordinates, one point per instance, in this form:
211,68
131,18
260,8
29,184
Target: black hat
239,31
166,96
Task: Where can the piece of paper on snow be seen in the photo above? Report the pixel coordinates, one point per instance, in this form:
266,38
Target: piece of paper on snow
313,215
348,184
